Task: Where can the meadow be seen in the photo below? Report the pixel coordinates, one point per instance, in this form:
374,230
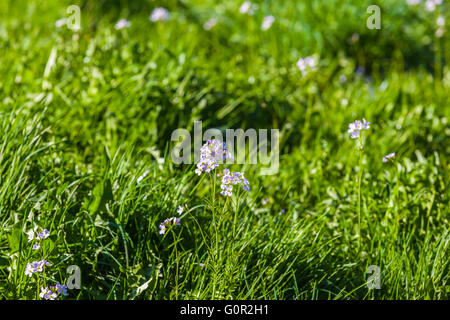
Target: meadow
88,188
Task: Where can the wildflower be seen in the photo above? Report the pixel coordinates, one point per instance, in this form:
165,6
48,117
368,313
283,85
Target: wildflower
30,235
35,266
167,223
212,152
59,23
143,176
388,156
180,209
48,294
29,270
430,5
36,246
264,201
439,32
210,24
413,2
61,289
159,14
355,127
202,265
267,22
360,71
440,21
232,178
122,23
354,38
43,235
248,8
306,64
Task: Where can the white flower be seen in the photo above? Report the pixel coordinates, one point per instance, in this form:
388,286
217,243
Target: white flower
159,14
413,2
122,23
355,128
440,21
180,209
210,24
267,22
430,5
439,32
248,8
59,23
143,176
388,156
306,64
30,235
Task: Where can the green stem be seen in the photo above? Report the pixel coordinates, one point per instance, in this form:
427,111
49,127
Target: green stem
177,262
359,192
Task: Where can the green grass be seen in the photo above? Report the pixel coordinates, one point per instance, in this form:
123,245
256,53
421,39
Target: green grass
77,132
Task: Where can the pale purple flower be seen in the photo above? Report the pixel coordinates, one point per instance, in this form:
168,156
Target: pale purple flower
430,5
122,23
43,235
181,209
29,270
440,21
61,289
355,128
202,265
248,8
388,156
48,294
306,64
167,223
267,22
232,178
212,153
35,266
159,14
36,246
210,24
61,22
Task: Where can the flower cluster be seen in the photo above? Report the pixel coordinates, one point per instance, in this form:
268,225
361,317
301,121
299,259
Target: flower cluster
267,22
168,223
208,25
122,23
52,292
38,236
355,128
430,5
159,14
441,26
232,178
181,209
35,266
248,8
388,156
306,64
211,154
